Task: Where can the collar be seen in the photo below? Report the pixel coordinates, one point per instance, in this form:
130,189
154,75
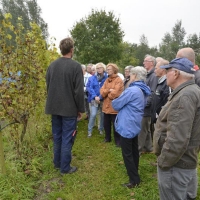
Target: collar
180,87
162,79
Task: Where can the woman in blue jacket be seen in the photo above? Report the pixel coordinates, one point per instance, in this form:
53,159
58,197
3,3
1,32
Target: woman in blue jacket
130,106
93,86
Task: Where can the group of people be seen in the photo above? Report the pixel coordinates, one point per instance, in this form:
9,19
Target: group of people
154,109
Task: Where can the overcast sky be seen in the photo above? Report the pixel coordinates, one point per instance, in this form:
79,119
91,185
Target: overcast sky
153,18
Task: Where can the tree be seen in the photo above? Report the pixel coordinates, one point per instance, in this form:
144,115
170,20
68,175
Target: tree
28,10
142,49
193,41
127,57
98,38
22,75
171,43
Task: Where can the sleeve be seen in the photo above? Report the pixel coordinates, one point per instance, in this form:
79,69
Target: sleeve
117,90
122,100
104,89
79,89
90,87
179,127
47,79
152,84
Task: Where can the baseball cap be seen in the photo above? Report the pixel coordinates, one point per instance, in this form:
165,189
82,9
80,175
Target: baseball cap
182,64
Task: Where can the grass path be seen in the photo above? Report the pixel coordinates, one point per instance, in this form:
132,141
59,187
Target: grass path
101,170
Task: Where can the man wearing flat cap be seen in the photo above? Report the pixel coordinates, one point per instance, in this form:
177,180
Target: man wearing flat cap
177,134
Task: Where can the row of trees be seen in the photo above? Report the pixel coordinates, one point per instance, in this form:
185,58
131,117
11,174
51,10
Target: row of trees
98,37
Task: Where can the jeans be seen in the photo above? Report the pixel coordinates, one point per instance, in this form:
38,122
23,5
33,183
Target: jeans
177,184
93,113
64,133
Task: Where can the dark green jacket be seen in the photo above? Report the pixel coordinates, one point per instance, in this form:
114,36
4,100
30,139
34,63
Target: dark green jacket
177,131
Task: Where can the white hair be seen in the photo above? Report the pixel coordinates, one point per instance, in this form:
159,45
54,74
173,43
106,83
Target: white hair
83,66
185,74
140,72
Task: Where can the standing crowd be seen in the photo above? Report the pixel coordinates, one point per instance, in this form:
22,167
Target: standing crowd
153,108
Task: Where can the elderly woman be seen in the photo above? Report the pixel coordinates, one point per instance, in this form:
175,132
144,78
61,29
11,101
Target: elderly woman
130,105
93,86
110,90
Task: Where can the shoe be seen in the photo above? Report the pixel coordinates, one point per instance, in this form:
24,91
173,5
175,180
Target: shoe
72,170
118,144
155,175
89,135
101,132
106,141
154,164
130,185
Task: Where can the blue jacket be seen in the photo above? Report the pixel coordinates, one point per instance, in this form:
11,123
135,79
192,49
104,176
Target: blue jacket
93,86
130,106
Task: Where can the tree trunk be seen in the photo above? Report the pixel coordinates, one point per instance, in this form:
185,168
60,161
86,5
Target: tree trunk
2,160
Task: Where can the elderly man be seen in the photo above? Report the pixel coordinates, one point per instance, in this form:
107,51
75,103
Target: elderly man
162,90
144,138
177,134
190,55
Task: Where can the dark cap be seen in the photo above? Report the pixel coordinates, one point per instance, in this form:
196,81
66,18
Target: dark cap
182,64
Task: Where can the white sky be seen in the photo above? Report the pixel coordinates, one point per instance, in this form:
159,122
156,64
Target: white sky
150,17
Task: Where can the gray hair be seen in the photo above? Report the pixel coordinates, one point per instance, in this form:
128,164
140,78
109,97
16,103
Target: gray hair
140,72
83,67
153,59
93,67
128,67
185,74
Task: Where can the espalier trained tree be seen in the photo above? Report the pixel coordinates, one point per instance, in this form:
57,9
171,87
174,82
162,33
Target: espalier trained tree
22,72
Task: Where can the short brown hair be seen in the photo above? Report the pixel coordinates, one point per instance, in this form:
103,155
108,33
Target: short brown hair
66,45
114,67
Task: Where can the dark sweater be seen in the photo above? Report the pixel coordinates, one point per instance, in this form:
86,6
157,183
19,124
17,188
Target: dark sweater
65,88
151,81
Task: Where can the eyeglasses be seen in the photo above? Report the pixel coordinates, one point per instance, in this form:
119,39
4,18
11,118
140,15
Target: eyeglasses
148,61
99,67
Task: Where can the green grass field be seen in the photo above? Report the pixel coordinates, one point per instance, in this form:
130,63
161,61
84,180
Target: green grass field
101,170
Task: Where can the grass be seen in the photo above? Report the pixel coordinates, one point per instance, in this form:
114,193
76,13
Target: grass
101,170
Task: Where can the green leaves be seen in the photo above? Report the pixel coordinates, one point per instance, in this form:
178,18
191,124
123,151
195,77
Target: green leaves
22,84
97,38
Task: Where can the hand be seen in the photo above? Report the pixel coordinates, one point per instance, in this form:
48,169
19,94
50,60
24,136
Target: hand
111,90
97,99
79,117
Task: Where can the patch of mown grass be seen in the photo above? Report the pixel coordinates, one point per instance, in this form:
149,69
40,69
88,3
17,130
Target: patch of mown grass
101,170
